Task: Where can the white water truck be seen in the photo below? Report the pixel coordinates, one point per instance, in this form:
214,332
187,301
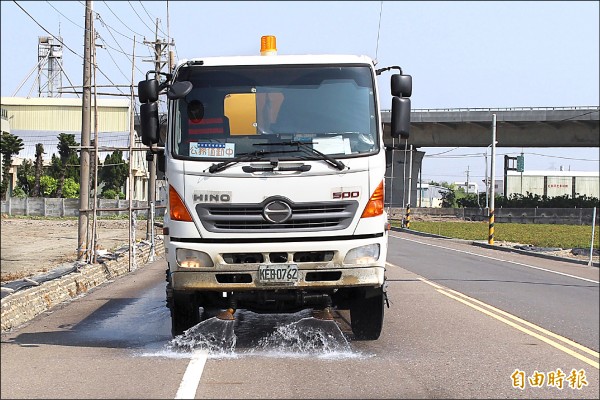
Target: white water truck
275,171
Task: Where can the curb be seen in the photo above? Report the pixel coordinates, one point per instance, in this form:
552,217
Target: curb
494,247
20,307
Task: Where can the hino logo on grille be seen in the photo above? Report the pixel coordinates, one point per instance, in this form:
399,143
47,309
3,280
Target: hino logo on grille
211,197
277,212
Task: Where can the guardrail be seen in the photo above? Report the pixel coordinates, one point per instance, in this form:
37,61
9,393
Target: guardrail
559,216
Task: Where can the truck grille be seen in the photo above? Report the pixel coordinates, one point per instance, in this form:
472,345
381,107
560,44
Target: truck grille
305,217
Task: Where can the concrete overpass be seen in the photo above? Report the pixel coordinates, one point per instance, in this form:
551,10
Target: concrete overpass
515,127
472,127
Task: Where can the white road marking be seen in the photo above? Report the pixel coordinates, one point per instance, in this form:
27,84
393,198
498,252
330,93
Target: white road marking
191,377
497,259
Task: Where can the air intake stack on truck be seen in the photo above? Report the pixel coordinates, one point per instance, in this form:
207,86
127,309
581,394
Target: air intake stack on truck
275,170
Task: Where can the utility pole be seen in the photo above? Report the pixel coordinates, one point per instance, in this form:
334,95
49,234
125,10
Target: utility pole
84,174
159,48
467,171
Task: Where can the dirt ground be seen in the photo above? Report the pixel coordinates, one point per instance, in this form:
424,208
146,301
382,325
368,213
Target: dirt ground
32,246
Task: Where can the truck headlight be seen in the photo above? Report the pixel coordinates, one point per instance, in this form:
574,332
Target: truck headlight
187,258
363,254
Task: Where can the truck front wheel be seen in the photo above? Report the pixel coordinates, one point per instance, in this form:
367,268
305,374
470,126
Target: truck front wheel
366,314
185,312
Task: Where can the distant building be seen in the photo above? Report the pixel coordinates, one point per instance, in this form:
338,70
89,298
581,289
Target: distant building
41,120
470,188
5,127
430,195
553,183
498,188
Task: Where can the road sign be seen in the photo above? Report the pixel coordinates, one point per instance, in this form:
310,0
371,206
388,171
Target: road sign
520,163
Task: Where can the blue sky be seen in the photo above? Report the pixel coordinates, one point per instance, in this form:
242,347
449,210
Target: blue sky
460,54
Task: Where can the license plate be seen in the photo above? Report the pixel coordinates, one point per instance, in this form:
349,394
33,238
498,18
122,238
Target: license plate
283,273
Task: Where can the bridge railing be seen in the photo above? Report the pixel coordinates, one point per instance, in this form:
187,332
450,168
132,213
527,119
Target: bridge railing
489,109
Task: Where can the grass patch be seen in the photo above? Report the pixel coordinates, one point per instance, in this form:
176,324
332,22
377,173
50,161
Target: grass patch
542,235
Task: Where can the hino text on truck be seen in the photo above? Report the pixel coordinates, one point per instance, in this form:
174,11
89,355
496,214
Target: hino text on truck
275,171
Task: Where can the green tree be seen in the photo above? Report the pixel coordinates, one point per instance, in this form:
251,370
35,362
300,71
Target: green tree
65,145
70,189
10,145
449,199
39,168
20,193
24,172
114,172
48,186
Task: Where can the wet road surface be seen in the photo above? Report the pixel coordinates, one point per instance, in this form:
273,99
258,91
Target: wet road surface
437,342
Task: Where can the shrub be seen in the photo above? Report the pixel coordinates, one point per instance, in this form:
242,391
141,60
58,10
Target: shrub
112,194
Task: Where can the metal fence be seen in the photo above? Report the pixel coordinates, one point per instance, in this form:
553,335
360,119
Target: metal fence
52,207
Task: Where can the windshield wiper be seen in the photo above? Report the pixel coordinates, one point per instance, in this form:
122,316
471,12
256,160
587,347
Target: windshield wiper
308,149
253,156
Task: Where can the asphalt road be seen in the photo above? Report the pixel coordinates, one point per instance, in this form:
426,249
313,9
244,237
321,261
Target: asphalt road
559,296
451,332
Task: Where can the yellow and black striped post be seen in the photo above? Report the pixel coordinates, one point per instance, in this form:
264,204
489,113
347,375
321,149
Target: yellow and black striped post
408,216
491,232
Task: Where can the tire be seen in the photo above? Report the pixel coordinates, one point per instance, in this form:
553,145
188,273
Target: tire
185,312
366,315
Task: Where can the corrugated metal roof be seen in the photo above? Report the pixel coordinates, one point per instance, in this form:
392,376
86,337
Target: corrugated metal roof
61,101
64,114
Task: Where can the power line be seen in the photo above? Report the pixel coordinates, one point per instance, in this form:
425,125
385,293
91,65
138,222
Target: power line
475,155
138,15
63,43
152,18
113,60
67,18
378,30
124,24
105,25
564,158
47,31
444,152
108,27
130,56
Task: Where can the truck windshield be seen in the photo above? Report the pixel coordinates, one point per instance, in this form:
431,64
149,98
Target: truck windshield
231,110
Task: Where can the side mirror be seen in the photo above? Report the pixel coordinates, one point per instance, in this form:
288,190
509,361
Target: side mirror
149,123
148,91
401,85
179,90
400,117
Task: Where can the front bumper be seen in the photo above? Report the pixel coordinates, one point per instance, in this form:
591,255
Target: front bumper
248,280
227,276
